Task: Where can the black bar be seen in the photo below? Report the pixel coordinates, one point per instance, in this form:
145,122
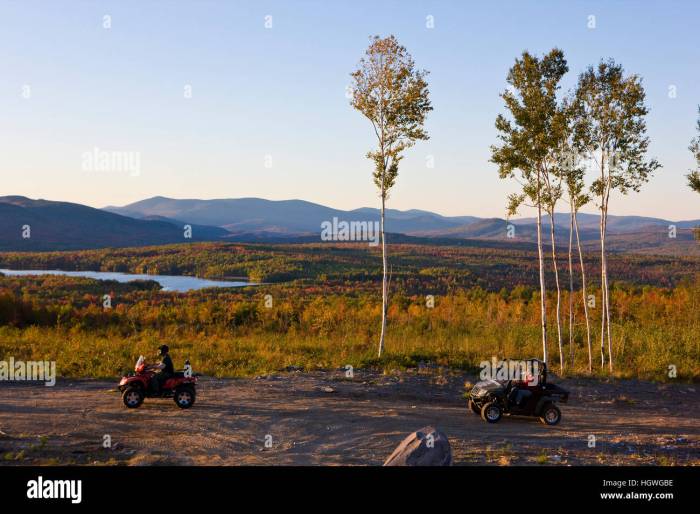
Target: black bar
361,488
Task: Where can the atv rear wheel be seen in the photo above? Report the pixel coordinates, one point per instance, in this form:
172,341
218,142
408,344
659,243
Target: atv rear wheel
132,397
491,412
472,407
551,415
184,397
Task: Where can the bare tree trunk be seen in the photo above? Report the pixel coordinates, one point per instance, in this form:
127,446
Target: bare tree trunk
603,282
607,289
571,283
603,289
384,279
543,291
556,279
585,298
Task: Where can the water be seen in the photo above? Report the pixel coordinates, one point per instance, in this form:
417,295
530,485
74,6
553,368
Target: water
168,282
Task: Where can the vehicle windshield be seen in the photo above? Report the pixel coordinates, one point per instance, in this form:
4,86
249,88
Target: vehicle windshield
139,363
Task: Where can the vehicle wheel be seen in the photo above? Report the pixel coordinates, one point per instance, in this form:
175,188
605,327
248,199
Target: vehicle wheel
184,397
132,397
474,408
491,412
551,415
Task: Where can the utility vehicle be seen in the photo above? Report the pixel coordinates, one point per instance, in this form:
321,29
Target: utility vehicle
525,396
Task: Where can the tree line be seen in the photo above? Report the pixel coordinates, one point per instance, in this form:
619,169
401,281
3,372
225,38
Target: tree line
238,332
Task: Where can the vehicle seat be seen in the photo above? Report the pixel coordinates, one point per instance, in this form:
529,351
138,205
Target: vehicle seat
519,396
512,394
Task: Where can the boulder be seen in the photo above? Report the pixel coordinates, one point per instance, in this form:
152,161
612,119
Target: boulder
425,447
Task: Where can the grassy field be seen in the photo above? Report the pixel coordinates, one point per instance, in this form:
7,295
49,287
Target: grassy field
330,317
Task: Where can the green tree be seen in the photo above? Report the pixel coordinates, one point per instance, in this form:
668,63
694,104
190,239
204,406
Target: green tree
610,129
393,95
530,138
694,175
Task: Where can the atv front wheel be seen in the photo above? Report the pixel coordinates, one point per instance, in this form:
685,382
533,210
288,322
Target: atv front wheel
491,412
132,397
184,397
551,415
474,408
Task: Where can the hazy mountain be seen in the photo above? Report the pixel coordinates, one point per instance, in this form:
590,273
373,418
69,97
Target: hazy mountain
160,220
615,223
239,215
67,226
298,217
236,215
258,219
497,229
203,232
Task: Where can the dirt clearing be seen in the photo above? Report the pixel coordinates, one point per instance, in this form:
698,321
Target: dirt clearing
325,419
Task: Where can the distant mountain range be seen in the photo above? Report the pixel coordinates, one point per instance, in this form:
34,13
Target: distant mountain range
45,225
291,217
160,220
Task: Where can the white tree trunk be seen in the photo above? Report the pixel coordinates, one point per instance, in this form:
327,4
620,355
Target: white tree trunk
556,279
603,289
571,283
585,297
384,280
607,291
543,291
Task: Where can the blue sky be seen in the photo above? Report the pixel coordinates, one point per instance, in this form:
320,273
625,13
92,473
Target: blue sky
276,96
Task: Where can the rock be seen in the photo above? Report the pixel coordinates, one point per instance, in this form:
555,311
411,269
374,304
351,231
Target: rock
425,447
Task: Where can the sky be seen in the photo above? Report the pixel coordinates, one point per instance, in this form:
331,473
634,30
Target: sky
229,99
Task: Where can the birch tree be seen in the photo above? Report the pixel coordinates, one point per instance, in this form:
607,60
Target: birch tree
529,138
552,195
694,175
574,173
393,95
611,130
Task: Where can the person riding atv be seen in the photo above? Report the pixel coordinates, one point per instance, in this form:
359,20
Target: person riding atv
529,395
159,381
166,368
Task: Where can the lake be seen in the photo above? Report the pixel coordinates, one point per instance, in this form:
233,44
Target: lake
168,282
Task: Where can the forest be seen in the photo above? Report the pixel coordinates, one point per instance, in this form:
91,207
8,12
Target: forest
415,268
450,307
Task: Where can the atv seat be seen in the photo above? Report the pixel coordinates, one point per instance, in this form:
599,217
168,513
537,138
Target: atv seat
519,395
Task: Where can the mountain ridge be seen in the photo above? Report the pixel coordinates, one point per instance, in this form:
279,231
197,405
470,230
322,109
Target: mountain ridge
262,214
158,220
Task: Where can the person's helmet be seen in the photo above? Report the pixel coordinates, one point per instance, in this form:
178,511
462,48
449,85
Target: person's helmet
163,349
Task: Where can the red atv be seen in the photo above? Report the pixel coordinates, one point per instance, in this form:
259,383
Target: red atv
138,385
